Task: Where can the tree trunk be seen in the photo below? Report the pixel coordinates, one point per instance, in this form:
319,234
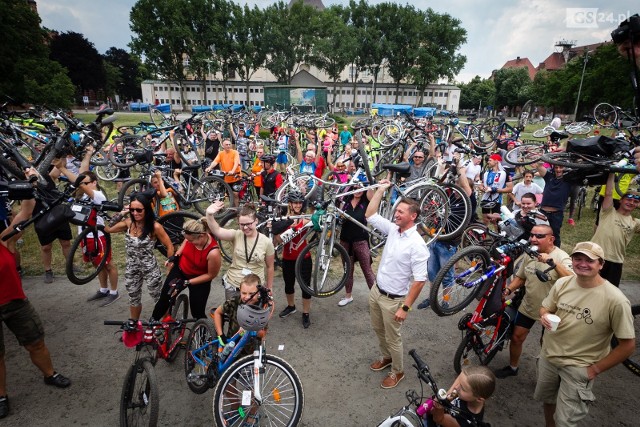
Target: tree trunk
397,92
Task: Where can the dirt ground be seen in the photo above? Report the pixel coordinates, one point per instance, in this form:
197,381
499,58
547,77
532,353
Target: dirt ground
332,358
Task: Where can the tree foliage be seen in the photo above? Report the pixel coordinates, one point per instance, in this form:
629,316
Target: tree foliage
81,59
127,73
512,87
478,93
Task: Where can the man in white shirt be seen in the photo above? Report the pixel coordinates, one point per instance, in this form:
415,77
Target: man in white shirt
524,187
401,275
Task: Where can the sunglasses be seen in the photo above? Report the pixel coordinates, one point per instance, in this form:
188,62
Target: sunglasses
136,210
539,235
632,196
418,157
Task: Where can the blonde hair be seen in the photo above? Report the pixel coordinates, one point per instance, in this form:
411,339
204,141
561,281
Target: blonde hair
250,280
481,380
196,226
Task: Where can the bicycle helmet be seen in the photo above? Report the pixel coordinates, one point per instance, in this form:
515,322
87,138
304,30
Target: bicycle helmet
295,196
268,158
252,317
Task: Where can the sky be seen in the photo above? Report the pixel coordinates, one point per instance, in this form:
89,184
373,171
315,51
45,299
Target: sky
497,30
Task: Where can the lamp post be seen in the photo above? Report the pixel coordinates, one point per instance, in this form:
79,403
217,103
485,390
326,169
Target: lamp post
584,67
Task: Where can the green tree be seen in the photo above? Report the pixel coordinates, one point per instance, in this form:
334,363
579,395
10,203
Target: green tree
130,72
81,59
511,87
26,72
335,47
249,27
436,56
290,32
477,93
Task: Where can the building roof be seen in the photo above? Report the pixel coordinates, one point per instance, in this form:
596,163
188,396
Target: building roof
556,60
314,3
521,63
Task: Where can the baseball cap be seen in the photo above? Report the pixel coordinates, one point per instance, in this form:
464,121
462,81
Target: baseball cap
496,157
590,249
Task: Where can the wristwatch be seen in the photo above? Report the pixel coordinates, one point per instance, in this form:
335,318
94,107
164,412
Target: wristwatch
406,308
187,283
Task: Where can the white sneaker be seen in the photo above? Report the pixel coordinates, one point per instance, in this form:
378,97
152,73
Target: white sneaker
344,301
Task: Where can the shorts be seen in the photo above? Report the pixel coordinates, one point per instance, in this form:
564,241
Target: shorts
63,233
95,258
567,387
524,321
21,319
282,158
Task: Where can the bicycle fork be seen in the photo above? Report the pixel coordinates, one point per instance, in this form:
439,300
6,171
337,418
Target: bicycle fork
258,368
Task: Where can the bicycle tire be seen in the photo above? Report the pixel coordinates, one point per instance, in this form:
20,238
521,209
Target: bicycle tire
180,311
84,263
470,351
467,265
573,161
157,117
173,223
304,183
140,402
434,209
324,122
107,172
605,114
488,133
361,122
582,201
389,135
99,158
131,145
632,363
391,155
476,235
328,277
212,189
364,158
544,132
137,185
281,390
459,212
525,154
11,168
525,115
199,378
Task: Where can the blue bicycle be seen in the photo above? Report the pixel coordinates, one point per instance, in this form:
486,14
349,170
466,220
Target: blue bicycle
255,390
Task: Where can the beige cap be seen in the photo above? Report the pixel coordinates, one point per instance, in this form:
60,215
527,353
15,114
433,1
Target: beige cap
590,249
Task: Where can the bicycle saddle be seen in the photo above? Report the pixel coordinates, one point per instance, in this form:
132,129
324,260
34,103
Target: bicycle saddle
402,169
558,136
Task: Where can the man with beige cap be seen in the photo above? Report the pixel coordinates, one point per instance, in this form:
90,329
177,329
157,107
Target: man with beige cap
591,310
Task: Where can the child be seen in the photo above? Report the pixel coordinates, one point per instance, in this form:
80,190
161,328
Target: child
248,295
472,387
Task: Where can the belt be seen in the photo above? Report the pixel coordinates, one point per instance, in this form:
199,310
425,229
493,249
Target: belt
550,210
388,295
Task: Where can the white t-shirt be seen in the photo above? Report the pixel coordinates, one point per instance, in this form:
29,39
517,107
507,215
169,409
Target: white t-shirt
520,189
98,199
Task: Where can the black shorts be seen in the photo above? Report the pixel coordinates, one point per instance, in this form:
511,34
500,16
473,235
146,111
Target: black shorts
21,319
63,233
524,321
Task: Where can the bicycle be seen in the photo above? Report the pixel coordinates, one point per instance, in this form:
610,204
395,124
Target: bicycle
140,400
262,388
407,416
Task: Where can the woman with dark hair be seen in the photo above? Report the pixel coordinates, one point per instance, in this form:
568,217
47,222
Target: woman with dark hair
355,240
141,232
195,264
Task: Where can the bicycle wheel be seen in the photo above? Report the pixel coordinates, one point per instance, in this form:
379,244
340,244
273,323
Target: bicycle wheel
605,114
463,275
390,156
578,128
476,235
575,161
459,212
172,224
107,172
476,347
131,145
544,132
303,182
526,114
88,255
229,221
365,163
282,396
389,135
180,311
210,190
582,201
139,402
633,362
99,158
331,267
434,210
157,117
137,185
525,154
200,376
324,122
488,133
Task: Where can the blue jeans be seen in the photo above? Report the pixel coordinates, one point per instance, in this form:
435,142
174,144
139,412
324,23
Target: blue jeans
440,253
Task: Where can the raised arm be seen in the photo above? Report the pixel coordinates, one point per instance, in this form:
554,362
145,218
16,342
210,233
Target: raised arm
216,230
607,203
374,203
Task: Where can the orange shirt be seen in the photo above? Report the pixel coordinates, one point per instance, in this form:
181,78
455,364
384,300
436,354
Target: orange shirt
226,161
256,169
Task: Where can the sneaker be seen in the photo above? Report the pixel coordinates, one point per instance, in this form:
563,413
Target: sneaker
290,309
392,380
4,406
306,321
98,295
424,304
571,222
380,364
110,299
505,372
344,301
57,380
48,276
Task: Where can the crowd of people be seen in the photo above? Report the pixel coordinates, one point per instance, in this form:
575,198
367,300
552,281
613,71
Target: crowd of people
581,288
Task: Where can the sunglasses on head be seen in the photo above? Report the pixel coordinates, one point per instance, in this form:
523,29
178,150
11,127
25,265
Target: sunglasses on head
632,196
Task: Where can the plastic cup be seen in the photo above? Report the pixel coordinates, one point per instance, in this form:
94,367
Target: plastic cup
554,321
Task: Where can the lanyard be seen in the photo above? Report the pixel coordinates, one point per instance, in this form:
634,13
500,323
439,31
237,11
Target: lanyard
247,255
